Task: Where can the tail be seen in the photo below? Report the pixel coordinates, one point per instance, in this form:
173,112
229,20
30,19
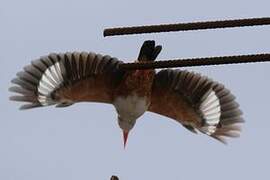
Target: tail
149,51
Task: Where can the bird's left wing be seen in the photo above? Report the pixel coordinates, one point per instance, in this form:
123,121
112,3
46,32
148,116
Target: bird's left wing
197,102
64,79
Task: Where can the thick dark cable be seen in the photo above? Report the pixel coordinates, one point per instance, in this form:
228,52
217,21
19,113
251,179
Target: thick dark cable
198,62
186,26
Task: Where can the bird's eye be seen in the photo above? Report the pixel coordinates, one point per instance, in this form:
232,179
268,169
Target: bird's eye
130,121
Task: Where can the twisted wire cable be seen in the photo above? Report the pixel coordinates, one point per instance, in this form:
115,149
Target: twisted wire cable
186,26
197,62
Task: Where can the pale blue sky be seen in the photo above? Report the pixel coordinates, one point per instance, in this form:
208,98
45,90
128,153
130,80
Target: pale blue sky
83,142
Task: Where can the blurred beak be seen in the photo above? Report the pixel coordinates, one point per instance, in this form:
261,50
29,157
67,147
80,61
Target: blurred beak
125,137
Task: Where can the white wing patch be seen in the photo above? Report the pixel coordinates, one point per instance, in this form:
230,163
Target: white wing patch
211,112
51,79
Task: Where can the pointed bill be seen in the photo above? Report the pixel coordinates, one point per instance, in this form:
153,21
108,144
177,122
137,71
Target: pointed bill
125,137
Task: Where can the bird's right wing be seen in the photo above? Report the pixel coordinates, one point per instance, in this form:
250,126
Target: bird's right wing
197,102
64,79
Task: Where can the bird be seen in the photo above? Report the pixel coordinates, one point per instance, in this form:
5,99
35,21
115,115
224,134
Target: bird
114,178
197,102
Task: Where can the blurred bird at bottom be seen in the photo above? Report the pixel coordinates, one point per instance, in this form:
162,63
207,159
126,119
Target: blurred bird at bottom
114,178
197,102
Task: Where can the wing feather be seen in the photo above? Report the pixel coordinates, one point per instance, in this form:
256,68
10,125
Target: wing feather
64,79
197,102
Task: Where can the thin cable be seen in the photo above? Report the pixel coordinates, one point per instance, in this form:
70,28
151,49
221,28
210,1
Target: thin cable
186,26
198,62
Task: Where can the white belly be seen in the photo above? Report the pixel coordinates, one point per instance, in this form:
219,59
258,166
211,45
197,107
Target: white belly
130,107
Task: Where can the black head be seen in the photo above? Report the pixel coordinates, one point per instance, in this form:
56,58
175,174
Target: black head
149,51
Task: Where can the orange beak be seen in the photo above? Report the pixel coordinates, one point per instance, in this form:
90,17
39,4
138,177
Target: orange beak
125,137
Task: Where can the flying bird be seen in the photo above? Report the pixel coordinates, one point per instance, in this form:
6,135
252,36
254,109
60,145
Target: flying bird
195,101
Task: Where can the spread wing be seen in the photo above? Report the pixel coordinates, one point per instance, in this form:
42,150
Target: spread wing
63,79
197,102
